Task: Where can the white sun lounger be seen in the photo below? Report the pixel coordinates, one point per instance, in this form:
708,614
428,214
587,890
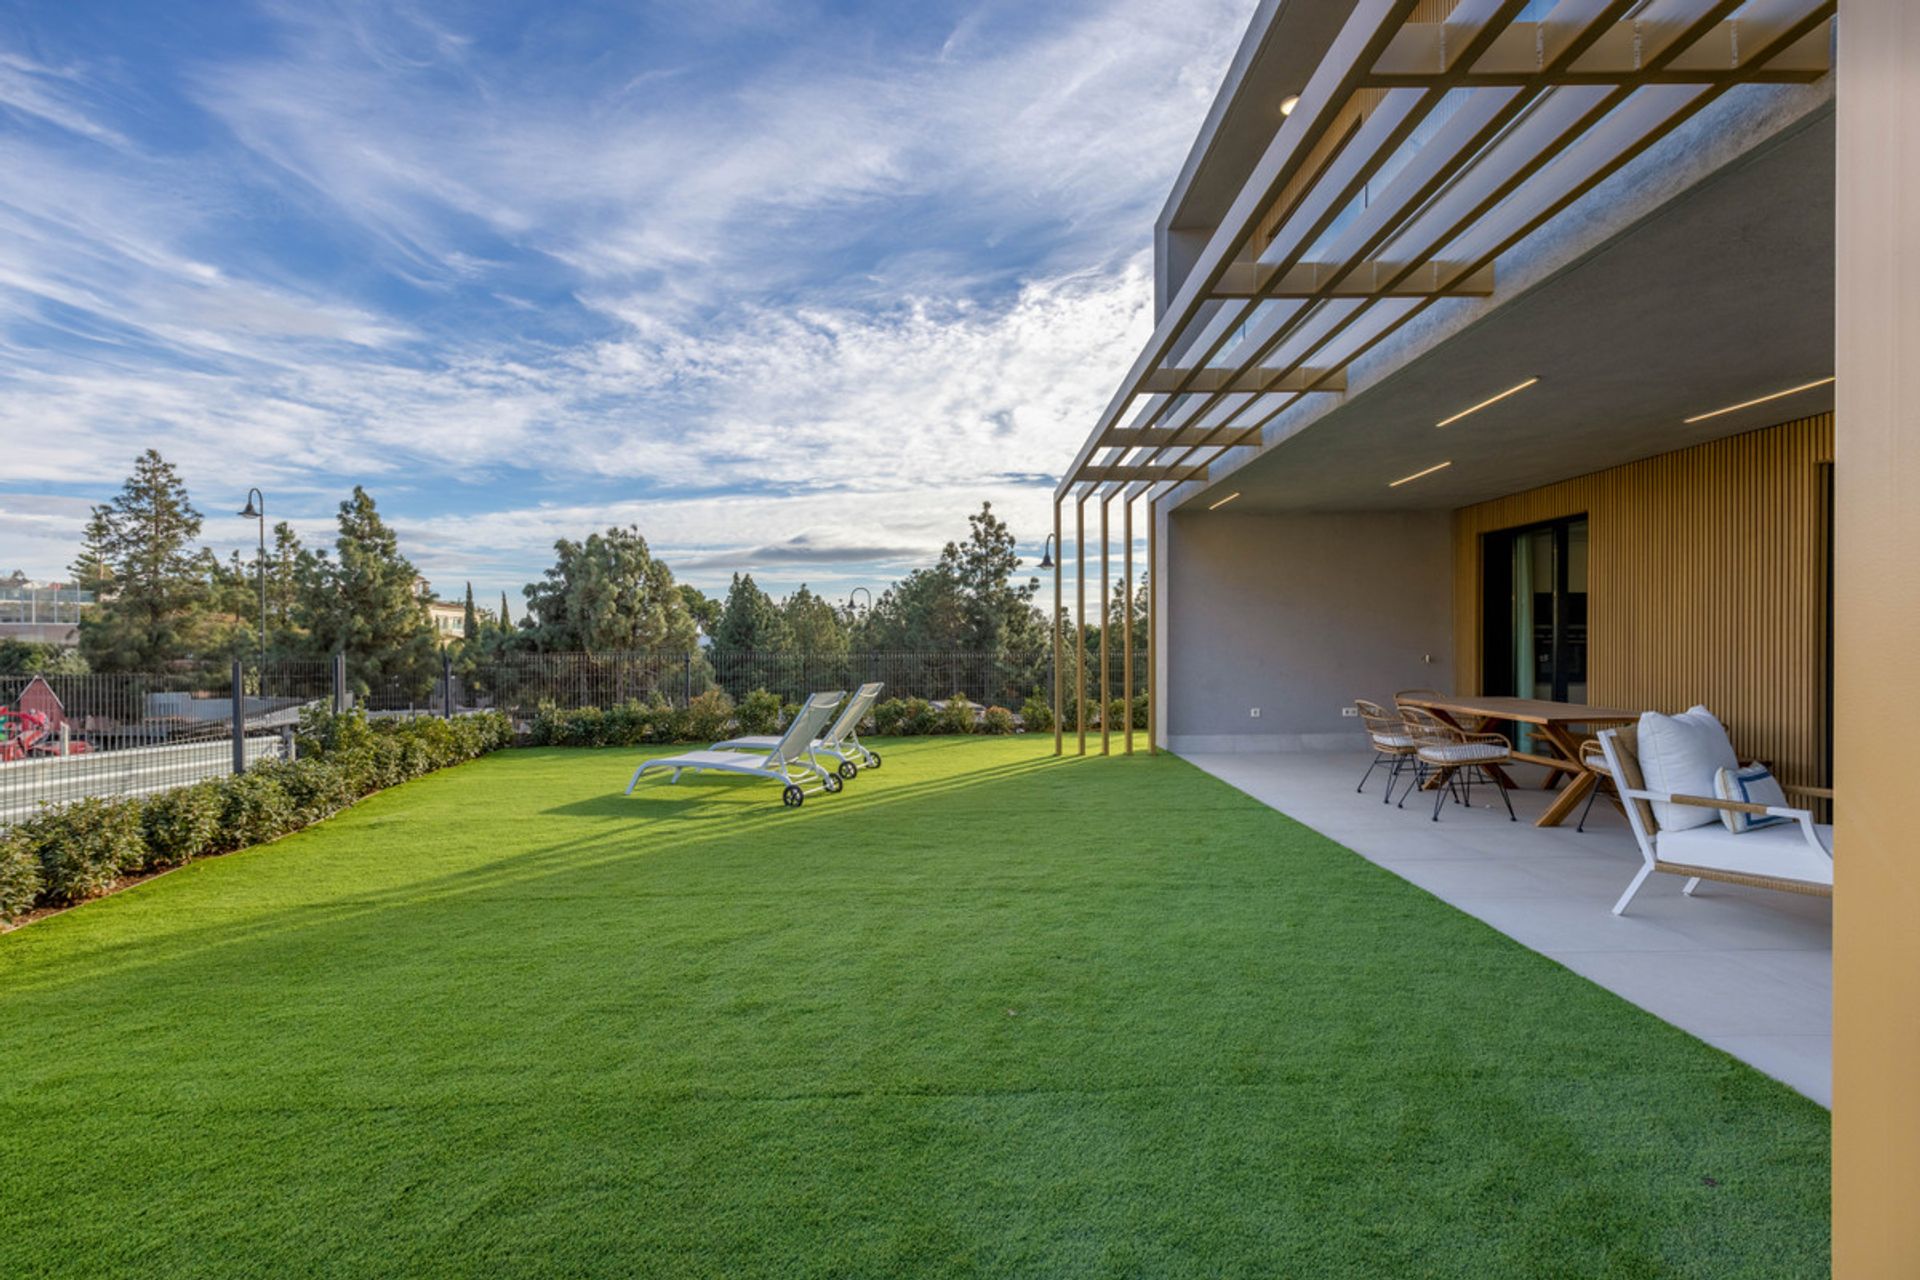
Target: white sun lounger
790,763
841,741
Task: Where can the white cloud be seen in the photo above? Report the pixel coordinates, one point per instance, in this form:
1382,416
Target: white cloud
994,199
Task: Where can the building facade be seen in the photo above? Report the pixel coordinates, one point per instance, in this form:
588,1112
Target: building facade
1496,352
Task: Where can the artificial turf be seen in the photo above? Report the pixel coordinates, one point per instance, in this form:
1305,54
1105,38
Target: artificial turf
984,1013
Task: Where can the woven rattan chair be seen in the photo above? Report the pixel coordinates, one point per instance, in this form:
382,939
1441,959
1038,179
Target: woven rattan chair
1796,857
1593,757
1451,754
1391,743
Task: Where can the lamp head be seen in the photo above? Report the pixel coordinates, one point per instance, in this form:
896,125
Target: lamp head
254,512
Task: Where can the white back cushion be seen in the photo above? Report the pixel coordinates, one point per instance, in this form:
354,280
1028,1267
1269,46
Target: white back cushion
1681,754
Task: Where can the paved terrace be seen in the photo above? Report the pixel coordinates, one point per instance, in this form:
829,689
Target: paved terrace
1747,970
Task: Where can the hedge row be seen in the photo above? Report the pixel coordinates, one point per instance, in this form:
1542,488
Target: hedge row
78,851
713,716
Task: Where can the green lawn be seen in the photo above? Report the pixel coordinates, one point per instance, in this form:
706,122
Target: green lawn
984,1013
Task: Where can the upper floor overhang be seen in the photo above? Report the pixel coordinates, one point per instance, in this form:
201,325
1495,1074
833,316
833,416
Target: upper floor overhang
1419,162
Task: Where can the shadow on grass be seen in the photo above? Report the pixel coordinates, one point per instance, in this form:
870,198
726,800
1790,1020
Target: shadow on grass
659,822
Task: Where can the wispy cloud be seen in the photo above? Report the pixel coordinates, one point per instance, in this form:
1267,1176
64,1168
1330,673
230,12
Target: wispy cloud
773,285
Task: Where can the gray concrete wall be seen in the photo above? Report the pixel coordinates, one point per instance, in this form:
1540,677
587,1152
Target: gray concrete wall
1298,615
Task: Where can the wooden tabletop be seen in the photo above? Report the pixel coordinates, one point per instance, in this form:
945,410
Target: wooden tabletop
1524,710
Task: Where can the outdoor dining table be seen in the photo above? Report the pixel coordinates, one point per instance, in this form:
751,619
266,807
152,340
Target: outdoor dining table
1555,722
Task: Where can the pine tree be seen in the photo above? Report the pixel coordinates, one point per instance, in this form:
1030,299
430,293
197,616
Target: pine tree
142,543
364,603
470,624
607,594
812,624
749,621
90,569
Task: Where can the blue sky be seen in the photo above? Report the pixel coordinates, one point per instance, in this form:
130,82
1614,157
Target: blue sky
792,286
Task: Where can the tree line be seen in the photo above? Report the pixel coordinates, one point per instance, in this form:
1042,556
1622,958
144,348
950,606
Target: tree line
165,599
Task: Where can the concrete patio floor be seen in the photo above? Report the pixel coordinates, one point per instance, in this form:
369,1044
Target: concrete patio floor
1747,970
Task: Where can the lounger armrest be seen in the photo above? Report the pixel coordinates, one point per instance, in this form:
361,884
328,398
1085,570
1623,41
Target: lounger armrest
1817,793
1714,802
1804,817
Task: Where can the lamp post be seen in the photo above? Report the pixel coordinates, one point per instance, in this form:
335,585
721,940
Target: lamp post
257,510
856,591
1046,554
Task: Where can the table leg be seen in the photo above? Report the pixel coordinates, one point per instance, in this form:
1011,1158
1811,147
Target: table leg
1567,801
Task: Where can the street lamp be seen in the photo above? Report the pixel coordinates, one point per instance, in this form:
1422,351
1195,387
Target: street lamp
1046,553
856,591
257,510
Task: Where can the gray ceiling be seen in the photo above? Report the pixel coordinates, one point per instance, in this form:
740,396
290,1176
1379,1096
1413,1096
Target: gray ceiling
1723,294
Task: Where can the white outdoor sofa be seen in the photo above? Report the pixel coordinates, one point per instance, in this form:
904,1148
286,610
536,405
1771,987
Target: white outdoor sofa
790,763
1795,856
841,740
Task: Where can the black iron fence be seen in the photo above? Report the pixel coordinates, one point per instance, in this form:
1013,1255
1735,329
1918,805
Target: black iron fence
64,737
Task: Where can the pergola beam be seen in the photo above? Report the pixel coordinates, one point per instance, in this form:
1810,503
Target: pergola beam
1253,381
1370,279
1520,55
1143,471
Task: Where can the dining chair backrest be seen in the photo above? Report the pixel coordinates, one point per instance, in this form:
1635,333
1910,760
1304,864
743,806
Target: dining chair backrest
1386,729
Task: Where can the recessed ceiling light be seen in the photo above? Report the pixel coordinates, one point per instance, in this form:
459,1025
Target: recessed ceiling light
1513,390
1748,404
1224,501
1288,103
1438,466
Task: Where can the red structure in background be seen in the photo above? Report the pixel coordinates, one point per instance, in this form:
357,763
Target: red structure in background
31,726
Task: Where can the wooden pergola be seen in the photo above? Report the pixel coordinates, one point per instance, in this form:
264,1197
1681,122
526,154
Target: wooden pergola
1416,156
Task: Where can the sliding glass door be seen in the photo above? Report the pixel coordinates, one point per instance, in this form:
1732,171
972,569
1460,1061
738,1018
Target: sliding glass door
1535,611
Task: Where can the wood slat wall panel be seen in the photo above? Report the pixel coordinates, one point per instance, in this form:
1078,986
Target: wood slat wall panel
1706,583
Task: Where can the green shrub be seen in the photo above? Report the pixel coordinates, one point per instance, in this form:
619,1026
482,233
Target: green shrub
1139,710
19,875
709,716
788,710
255,808
77,851
759,712
997,720
84,847
183,824
903,717
956,717
1036,713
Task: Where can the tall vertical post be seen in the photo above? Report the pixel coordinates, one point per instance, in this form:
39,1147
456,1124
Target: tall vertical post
1126,616
446,684
1080,623
686,679
339,684
1876,950
1106,632
1059,578
1153,623
239,718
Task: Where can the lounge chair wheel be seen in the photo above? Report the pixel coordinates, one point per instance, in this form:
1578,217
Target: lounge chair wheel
847,770
793,797
832,783
873,761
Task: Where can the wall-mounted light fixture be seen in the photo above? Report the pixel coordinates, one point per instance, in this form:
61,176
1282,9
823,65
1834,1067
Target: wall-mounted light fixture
1224,501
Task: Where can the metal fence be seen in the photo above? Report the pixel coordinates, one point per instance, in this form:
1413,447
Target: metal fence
522,683
65,737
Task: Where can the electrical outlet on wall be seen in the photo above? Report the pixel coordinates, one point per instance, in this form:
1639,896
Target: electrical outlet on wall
1349,712
1254,712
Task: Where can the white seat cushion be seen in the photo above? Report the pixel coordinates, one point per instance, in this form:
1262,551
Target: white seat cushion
1464,753
1398,740
1772,851
1679,755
